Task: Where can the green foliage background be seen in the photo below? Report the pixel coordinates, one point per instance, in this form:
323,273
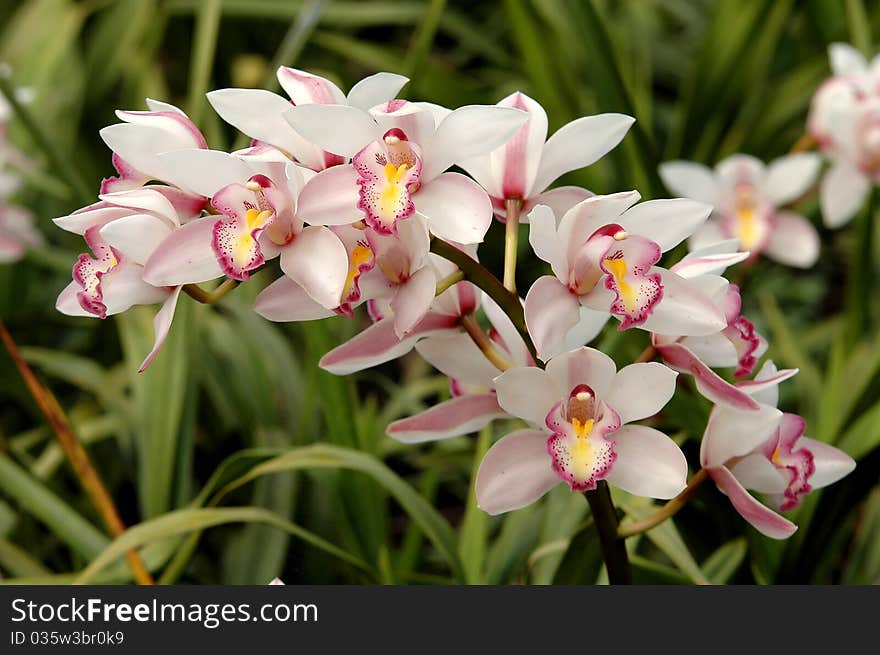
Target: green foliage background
237,459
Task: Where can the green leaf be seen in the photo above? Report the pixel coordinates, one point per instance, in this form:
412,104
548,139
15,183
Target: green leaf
720,566
474,531
64,521
582,560
187,520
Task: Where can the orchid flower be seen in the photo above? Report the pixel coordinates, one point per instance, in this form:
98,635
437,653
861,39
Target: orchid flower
471,380
123,231
603,256
764,450
748,198
737,345
256,193
137,143
259,113
578,408
382,342
399,153
844,120
528,162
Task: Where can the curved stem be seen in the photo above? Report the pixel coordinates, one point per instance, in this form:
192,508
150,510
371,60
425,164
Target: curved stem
196,292
804,143
79,459
647,355
613,547
512,208
667,511
481,276
484,343
448,281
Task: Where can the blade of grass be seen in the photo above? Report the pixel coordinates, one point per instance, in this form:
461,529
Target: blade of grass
204,46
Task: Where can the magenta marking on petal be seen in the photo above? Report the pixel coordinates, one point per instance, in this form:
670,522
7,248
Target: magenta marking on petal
89,271
513,181
374,310
626,264
393,105
236,257
129,177
709,383
388,173
798,464
741,333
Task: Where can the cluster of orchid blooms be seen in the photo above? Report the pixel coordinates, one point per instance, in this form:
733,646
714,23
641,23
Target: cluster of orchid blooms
353,194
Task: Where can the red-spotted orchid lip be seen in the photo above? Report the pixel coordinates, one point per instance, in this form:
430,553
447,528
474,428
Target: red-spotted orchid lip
796,464
88,272
246,214
579,446
388,174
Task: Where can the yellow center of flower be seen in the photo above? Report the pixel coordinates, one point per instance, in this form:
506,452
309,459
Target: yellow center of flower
360,255
747,227
256,218
582,452
775,458
618,269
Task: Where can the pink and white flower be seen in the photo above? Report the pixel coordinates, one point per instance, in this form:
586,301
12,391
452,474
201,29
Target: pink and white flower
748,198
738,345
399,152
844,120
137,143
122,231
381,342
528,162
578,409
471,380
765,450
259,113
603,255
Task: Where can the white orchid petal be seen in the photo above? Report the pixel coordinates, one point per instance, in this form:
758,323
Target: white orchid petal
640,390
648,463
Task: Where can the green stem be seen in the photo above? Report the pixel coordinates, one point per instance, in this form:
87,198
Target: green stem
511,241
483,278
59,161
666,511
450,280
196,292
606,521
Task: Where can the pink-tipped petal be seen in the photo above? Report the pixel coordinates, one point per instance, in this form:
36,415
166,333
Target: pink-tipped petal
690,180
462,415
331,197
709,383
306,88
379,344
763,519
456,208
285,300
515,472
579,144
640,390
185,256
793,241
551,310
648,463
68,303
161,327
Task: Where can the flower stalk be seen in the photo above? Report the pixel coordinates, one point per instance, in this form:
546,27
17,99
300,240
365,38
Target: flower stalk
470,325
79,458
511,242
666,511
613,547
196,292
